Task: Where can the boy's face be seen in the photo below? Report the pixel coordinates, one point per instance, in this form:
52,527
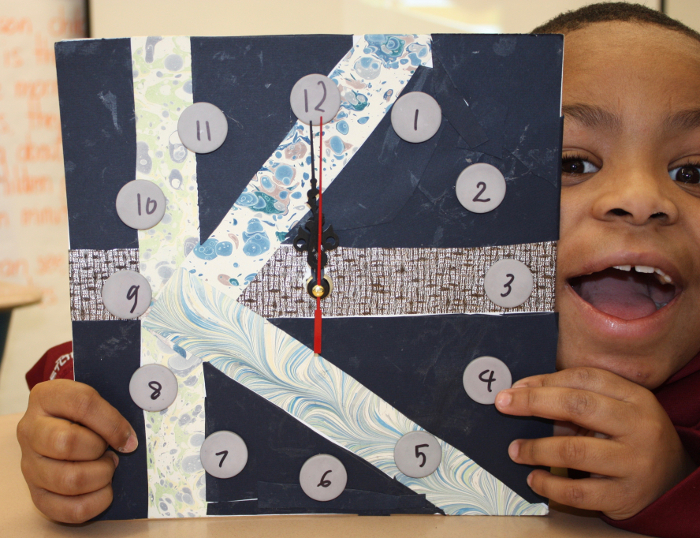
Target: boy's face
630,197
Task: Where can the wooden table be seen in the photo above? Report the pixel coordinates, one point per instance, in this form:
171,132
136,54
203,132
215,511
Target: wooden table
19,518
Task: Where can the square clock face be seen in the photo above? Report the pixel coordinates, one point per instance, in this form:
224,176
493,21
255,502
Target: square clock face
302,267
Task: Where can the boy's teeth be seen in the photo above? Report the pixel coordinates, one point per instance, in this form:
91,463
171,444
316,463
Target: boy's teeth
663,277
660,275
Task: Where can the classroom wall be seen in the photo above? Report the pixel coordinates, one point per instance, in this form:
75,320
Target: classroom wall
33,237
33,216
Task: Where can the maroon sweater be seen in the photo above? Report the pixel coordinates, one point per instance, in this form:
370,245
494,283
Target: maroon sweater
675,515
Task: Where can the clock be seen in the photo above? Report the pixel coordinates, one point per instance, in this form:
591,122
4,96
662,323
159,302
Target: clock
268,372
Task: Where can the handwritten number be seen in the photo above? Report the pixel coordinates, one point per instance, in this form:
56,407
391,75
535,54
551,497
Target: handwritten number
151,204
421,454
225,453
415,122
507,285
324,483
482,186
156,388
133,293
489,380
306,101
208,131
318,106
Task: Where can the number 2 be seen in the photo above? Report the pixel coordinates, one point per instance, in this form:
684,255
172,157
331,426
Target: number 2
421,454
480,185
507,285
133,293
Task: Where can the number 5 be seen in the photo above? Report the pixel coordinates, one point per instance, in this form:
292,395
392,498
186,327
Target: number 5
421,454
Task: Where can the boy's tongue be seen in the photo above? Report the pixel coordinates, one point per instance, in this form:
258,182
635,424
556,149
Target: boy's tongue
626,295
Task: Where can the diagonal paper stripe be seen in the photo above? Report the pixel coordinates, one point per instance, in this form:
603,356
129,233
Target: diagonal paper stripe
212,326
370,78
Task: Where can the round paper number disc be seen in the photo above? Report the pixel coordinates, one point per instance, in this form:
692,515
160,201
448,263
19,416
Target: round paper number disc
126,294
202,127
416,117
153,387
140,204
223,454
484,377
417,454
480,188
323,477
314,97
508,283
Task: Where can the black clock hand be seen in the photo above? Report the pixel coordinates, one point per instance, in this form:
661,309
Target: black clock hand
314,240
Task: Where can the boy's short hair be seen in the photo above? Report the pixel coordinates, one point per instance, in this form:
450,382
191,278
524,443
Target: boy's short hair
611,12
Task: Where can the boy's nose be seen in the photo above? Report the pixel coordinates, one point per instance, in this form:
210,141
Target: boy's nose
637,199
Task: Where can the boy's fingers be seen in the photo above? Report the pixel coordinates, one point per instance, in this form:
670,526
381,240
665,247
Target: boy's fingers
70,478
81,403
592,379
585,493
588,454
77,509
59,439
588,409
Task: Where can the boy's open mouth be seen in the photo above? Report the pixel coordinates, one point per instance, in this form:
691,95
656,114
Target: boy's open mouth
628,292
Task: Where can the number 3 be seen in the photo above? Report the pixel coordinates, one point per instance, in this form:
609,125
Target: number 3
507,285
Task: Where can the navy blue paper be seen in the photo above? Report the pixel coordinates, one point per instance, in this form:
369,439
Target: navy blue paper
278,445
416,363
250,79
96,96
106,354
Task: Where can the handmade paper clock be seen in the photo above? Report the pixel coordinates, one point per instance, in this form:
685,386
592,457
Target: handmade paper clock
302,267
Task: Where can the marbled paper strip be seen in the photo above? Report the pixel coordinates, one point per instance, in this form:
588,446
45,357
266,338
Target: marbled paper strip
370,77
208,324
398,281
162,71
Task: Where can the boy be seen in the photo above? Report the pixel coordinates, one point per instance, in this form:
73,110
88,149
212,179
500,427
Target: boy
628,290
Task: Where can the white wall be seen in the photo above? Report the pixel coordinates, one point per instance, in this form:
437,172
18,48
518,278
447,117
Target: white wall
259,17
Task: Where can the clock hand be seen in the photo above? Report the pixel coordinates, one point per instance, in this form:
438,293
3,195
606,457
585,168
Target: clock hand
318,290
315,241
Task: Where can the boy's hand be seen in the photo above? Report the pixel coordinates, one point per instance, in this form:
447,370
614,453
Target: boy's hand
64,436
624,439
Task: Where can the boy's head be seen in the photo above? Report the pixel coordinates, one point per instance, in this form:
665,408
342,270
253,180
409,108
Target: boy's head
630,192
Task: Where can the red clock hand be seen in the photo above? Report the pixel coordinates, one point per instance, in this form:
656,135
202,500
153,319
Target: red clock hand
317,313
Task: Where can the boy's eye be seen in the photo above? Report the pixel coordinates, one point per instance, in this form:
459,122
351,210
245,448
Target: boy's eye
685,174
576,166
